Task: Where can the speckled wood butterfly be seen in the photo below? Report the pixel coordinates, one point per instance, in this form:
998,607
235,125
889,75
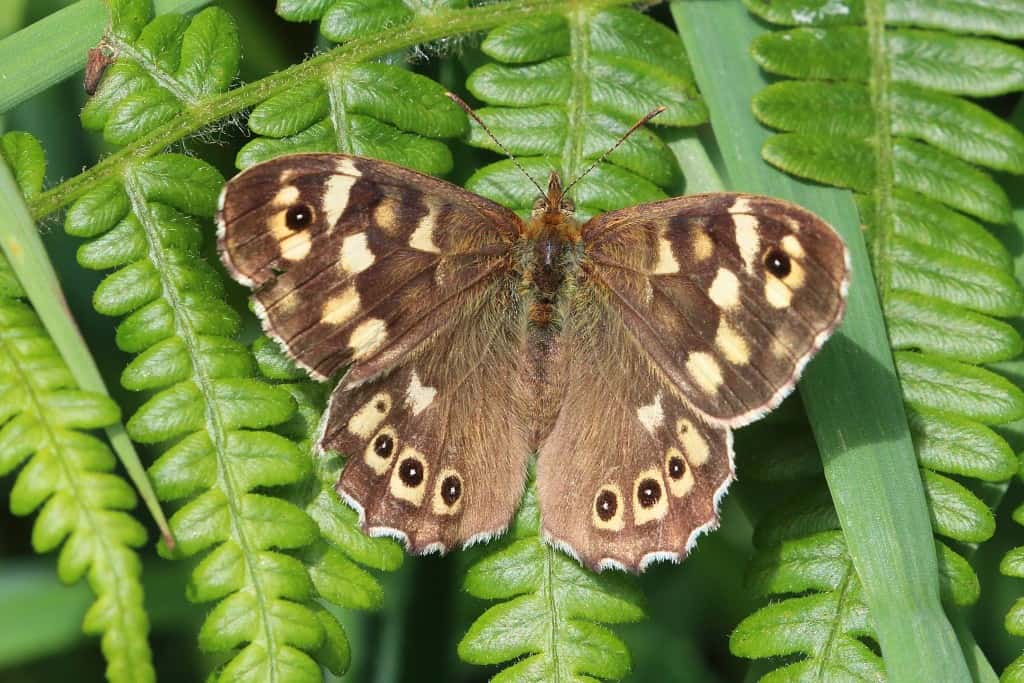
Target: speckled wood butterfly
623,350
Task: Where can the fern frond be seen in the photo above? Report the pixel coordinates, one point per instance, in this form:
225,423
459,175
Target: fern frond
208,405
68,474
163,67
552,611
342,20
881,110
371,109
801,562
560,92
335,563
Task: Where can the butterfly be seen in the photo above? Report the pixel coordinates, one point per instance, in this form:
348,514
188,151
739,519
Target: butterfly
623,350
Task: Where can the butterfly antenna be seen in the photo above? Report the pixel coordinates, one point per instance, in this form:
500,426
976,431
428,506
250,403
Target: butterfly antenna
472,114
646,117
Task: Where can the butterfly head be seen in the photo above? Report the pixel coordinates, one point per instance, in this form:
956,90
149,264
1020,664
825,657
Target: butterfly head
553,207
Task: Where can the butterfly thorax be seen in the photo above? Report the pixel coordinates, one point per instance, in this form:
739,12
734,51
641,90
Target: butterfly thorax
551,239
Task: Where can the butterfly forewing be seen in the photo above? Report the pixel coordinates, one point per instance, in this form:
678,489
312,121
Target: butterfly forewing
728,295
406,280
355,259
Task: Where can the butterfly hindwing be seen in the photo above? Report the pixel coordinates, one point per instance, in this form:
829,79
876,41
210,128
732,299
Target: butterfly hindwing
641,480
728,295
355,259
438,447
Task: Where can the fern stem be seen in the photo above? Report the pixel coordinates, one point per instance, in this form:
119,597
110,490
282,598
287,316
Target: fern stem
156,72
444,24
579,51
214,424
552,604
879,88
339,110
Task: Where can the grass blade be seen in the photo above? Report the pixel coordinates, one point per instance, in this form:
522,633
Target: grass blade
851,393
25,251
28,62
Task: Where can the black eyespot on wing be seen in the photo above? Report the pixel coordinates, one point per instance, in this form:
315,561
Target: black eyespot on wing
298,216
411,472
676,467
384,445
648,492
451,490
606,505
777,263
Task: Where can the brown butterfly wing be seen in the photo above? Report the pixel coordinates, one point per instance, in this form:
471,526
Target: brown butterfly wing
692,280
407,279
629,474
355,259
437,447
687,317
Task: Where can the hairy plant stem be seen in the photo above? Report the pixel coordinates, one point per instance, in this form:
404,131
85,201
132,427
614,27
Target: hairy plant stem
212,109
879,89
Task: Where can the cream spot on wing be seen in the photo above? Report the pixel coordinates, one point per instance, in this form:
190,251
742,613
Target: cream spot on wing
741,205
725,289
651,416
369,336
348,167
649,500
694,444
607,511
339,309
385,216
286,196
335,198
423,236
355,253
793,223
703,247
448,492
791,245
777,293
380,451
748,237
295,246
731,344
797,275
408,477
365,421
679,482
782,347
417,396
705,371
666,263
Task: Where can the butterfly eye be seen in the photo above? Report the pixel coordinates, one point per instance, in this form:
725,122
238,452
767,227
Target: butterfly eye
298,216
606,505
777,263
648,492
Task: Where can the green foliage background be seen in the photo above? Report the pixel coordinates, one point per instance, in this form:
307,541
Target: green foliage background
874,532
